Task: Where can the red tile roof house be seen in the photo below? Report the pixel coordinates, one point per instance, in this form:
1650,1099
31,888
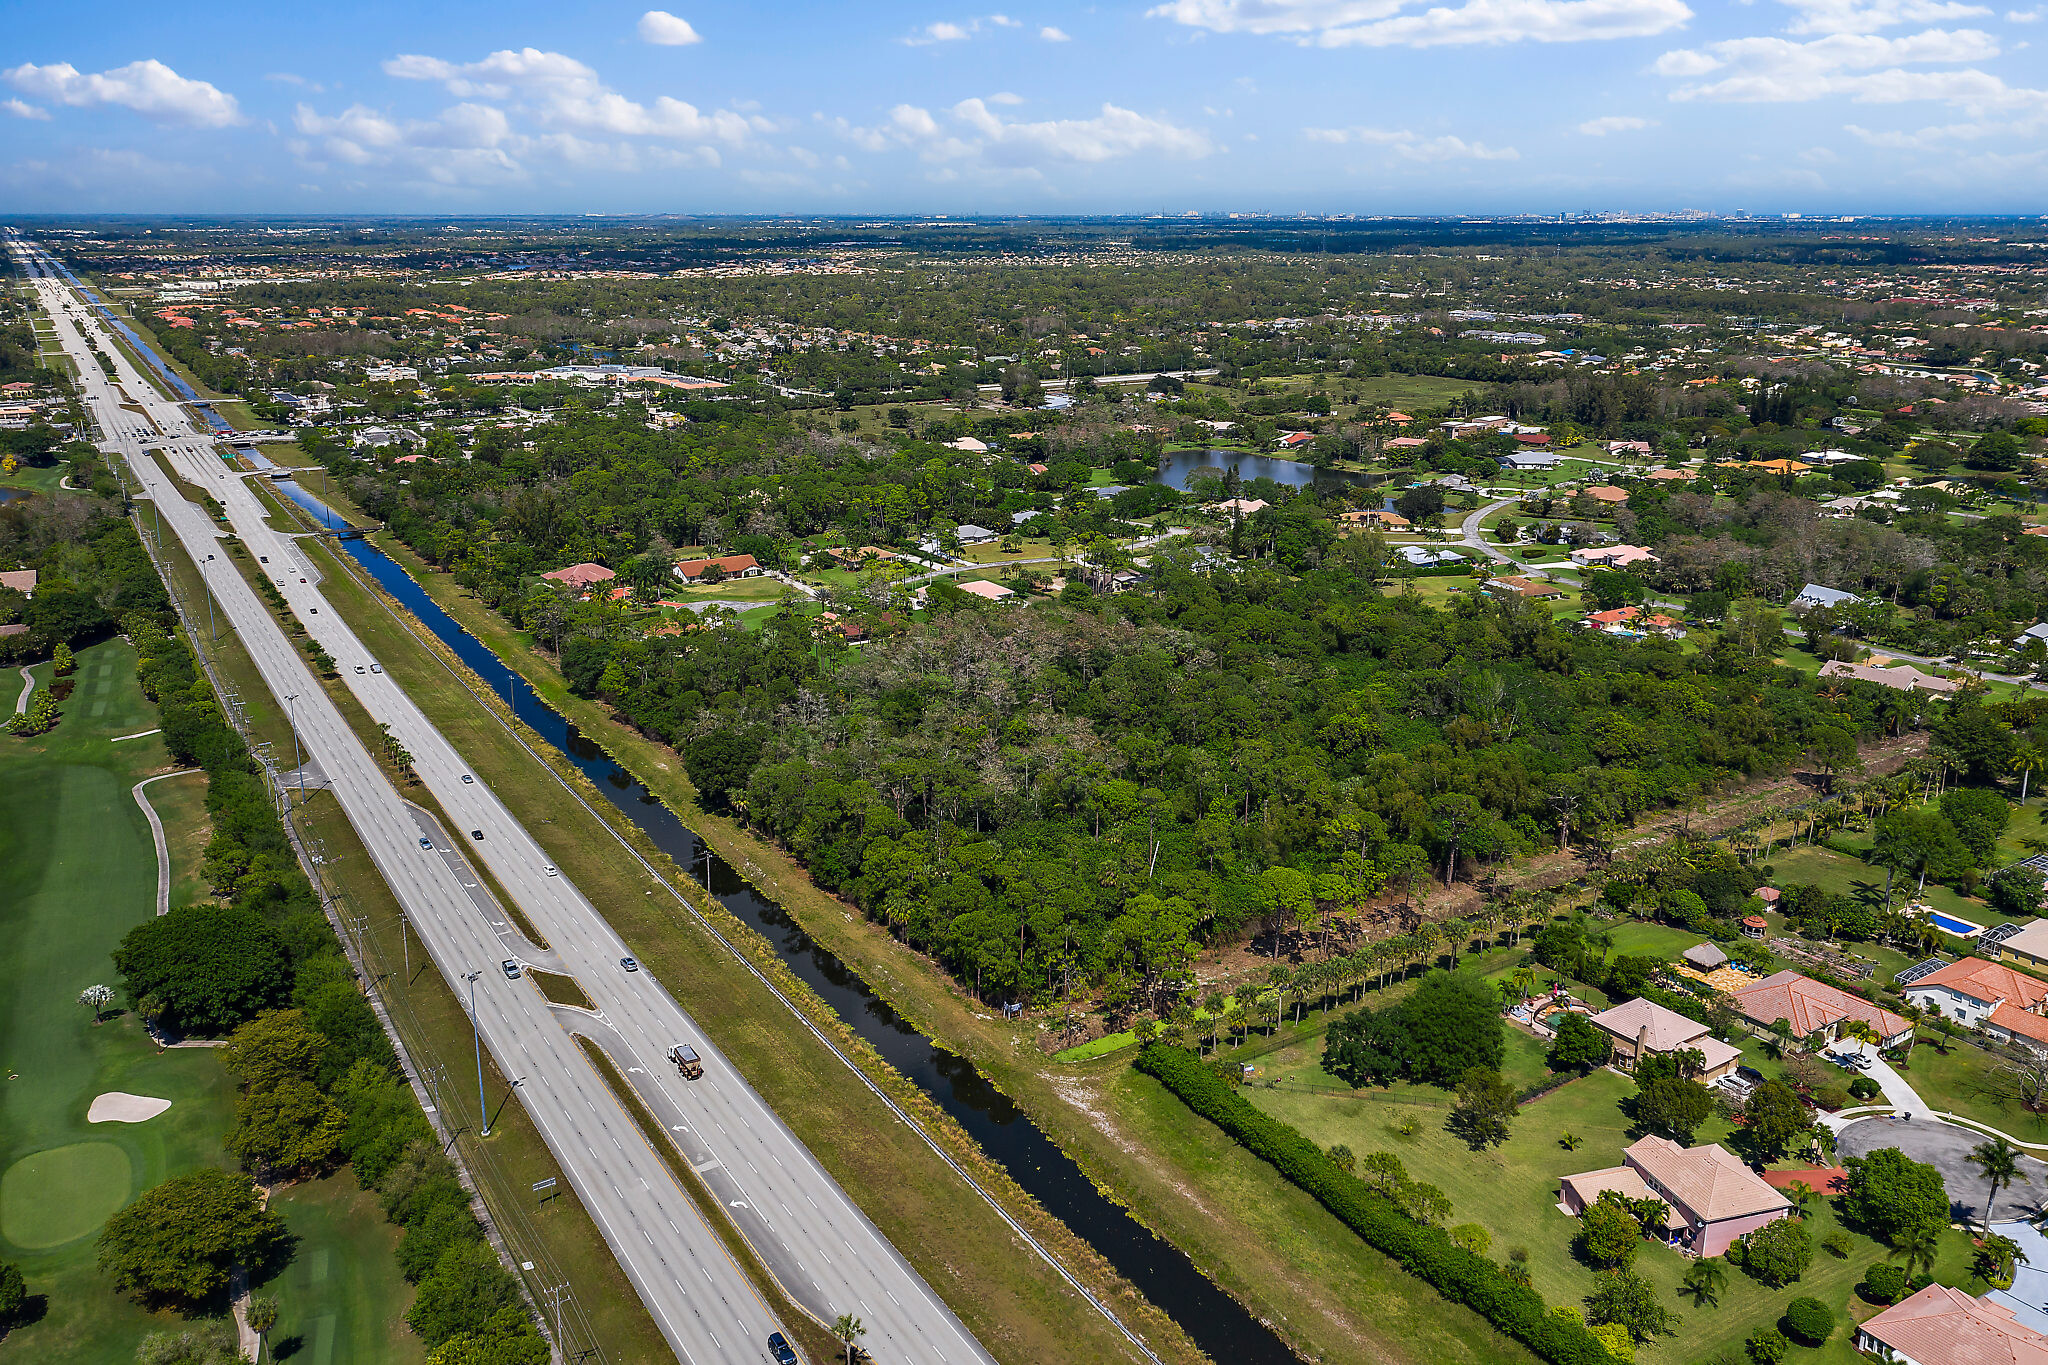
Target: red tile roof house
1814,1007
1637,1027
729,566
1713,1199
2007,1004
1943,1326
581,577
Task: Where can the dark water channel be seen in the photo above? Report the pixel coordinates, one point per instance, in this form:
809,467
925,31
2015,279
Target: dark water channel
1216,1322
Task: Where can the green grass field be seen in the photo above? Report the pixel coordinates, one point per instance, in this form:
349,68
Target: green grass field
342,1298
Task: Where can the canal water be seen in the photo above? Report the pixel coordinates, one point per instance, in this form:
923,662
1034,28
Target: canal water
1216,1322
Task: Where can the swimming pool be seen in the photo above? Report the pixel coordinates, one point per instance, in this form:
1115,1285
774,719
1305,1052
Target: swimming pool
1961,928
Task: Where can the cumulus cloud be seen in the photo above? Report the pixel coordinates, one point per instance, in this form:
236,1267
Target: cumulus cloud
950,31
1865,67
663,29
1411,145
974,135
561,92
1613,123
23,109
464,145
1868,16
148,87
1054,35
1394,23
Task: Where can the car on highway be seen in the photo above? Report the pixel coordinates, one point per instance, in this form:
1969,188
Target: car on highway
630,964
360,670
425,842
510,967
376,668
549,868
778,1346
468,781
262,559
477,835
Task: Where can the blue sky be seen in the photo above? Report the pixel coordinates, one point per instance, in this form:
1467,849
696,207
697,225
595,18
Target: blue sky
1368,106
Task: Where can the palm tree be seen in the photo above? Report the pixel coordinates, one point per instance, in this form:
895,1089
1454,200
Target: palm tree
847,1329
262,1315
96,998
1917,1247
2026,761
2000,1162
1802,1196
1705,1279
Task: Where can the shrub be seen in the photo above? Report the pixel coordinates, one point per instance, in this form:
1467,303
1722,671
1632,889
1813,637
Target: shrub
1864,1088
1424,1251
1779,1253
1883,1283
1608,1237
1767,1347
1837,1244
1809,1321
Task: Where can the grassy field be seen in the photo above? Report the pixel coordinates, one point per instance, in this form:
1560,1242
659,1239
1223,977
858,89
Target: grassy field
342,1298
1512,1192
77,871
180,803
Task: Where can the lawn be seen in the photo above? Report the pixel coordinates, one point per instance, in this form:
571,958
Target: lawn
180,803
1965,1081
1512,1192
342,1298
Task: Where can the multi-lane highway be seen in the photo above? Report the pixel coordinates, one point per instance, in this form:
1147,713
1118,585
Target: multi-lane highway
821,1249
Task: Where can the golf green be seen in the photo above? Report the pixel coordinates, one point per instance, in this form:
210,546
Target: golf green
63,1193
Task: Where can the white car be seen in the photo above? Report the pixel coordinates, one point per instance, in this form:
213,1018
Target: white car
549,868
359,669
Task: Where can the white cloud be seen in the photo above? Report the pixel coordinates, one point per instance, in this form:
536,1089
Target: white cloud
941,32
465,145
1054,35
2023,16
1004,97
1861,66
1868,16
971,133
562,92
148,87
23,109
1407,143
663,29
1387,23
1613,123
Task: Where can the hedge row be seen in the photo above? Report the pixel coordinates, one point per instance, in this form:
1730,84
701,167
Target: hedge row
1423,1250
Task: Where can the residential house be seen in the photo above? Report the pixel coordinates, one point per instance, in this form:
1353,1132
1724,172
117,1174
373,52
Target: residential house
1704,956
1711,1199
1902,678
1240,507
1639,1028
729,566
1626,448
1987,995
1531,459
1814,1007
1606,494
1424,557
580,577
2037,631
22,581
1374,516
1406,443
970,534
1535,589
1671,475
968,444
1613,556
987,592
1944,1326
1815,595
1535,440
2029,946
1295,440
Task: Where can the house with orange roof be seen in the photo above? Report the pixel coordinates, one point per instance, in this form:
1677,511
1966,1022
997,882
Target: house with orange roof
1640,1028
1944,1326
728,566
1670,475
1711,1199
1607,493
580,577
2009,1005
1814,1007
1535,589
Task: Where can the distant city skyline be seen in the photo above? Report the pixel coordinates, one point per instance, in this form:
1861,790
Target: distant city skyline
1260,106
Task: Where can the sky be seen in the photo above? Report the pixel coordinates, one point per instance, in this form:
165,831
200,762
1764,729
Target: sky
1276,106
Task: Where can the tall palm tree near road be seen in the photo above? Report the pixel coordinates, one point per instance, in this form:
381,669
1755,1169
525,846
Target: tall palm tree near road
848,1329
1999,1160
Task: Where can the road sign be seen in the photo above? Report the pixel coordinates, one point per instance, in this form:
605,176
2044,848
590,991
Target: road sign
540,1185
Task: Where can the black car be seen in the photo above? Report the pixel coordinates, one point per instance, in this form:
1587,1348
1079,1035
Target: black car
779,1348
477,835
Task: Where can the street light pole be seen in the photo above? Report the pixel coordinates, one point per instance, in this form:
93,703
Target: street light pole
293,712
207,584
476,1027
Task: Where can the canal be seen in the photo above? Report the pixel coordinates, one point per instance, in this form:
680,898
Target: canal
1217,1323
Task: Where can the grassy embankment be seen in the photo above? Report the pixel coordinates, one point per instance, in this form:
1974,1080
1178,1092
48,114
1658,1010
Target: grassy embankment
77,871
556,1237
1257,1236
1014,1303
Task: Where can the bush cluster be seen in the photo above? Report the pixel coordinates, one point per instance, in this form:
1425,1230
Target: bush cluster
1427,1252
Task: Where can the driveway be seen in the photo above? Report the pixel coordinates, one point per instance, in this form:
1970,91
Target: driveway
1947,1148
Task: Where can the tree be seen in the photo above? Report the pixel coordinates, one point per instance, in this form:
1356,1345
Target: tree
1624,1297
1673,1107
720,761
848,1330
1706,1279
506,1338
61,660
1809,1321
1916,1248
467,1286
1999,1160
289,1126
177,1244
211,966
210,1343
1767,1346
273,1048
1997,1259
13,1293
1774,1118
1778,1253
1608,1236
1383,1171
1888,1192
1978,815
1450,1025
96,998
1578,1046
1486,1105
262,1316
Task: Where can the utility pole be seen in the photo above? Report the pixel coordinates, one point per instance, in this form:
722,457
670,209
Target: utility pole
206,583
555,1294
292,711
483,1108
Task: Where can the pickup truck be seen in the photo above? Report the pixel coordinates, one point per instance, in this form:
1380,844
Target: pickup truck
687,1061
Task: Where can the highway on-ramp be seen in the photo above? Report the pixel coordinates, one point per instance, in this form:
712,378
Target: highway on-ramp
821,1248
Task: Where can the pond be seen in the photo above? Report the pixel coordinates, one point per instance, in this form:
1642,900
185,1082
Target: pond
1177,467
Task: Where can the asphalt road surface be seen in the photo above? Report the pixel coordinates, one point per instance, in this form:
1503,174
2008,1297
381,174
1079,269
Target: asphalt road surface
821,1248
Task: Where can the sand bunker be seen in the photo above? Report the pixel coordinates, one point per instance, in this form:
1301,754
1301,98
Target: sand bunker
119,1107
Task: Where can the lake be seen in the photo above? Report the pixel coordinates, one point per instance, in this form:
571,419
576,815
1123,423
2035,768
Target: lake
1178,466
